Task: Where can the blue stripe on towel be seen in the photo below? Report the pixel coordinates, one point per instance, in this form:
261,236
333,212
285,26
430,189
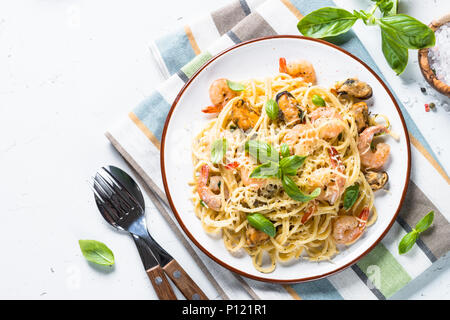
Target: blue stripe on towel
153,113
175,50
317,290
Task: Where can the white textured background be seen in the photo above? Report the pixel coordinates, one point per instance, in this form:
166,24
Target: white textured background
68,70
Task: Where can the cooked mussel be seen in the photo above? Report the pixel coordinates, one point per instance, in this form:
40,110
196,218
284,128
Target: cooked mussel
376,179
290,110
355,88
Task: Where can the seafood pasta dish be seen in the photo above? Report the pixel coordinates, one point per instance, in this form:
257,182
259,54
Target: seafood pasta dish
286,169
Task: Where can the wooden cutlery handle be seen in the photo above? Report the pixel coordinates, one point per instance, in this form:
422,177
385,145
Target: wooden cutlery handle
183,282
161,284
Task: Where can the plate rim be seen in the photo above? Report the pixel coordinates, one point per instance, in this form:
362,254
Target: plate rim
226,265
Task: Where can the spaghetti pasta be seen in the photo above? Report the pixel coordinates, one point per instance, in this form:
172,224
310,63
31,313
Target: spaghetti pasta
322,141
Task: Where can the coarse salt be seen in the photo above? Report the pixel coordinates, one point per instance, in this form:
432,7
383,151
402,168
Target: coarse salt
439,55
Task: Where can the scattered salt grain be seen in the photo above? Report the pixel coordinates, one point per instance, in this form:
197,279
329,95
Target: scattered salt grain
439,55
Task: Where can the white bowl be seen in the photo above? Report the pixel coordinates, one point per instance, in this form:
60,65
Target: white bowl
257,59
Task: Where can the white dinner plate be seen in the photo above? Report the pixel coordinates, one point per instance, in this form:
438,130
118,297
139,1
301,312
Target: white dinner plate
258,59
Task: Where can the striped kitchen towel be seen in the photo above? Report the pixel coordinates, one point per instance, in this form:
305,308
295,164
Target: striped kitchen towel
382,272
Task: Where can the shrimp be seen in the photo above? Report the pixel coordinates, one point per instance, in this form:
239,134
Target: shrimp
301,139
372,159
360,112
255,237
289,107
298,68
323,118
220,94
333,184
247,181
347,229
212,200
309,212
243,115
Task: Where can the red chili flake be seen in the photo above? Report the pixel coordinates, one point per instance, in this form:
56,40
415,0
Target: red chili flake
232,165
427,107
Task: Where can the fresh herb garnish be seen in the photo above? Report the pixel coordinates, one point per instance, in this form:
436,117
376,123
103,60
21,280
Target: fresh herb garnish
295,193
261,151
235,86
218,150
399,32
290,165
318,100
410,238
284,150
272,109
96,252
273,167
269,169
326,22
260,222
350,196
203,204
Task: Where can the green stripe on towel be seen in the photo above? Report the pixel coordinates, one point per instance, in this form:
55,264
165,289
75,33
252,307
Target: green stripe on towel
384,272
196,63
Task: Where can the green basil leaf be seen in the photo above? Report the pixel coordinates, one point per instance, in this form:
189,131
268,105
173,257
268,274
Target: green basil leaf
407,31
284,150
295,193
389,7
350,196
218,150
267,170
396,56
290,165
425,222
261,151
235,86
408,242
96,252
272,109
318,100
326,22
258,221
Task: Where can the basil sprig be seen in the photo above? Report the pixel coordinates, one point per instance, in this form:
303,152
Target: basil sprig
272,109
290,165
410,238
350,196
235,86
326,22
218,150
261,151
295,193
273,167
260,222
396,56
96,252
399,32
269,169
284,150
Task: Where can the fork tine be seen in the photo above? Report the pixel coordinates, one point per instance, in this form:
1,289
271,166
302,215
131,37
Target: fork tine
111,215
105,199
120,204
123,191
120,189
96,194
